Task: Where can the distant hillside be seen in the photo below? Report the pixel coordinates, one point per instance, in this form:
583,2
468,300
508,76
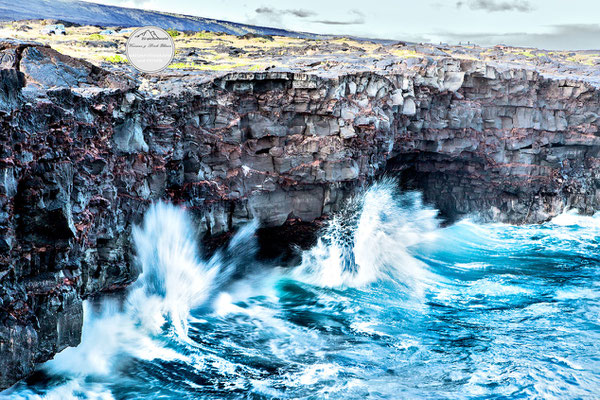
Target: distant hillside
97,14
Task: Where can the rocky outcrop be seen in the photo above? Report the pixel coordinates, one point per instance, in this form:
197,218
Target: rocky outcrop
83,152
510,146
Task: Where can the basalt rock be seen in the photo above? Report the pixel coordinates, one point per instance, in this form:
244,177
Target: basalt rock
84,151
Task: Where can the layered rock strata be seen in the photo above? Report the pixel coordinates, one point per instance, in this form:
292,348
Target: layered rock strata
83,152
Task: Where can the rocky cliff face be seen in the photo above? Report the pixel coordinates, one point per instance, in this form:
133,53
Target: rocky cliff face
83,152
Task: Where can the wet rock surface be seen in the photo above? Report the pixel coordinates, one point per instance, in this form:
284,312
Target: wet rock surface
84,151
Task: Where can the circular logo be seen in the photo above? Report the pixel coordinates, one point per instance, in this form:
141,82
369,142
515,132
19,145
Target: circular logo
150,49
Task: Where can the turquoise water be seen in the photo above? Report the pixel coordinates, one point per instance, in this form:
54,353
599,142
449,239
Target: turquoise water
387,305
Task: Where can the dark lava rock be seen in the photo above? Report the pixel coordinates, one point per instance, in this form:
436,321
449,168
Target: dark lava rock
84,152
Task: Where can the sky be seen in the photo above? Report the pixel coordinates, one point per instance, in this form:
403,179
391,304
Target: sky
548,24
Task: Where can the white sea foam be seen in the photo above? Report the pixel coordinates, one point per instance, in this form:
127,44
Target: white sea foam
371,240
573,218
71,390
173,278
173,281
267,334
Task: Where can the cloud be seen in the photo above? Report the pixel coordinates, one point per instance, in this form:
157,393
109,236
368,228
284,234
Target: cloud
265,10
274,15
359,19
558,37
497,5
300,13
274,12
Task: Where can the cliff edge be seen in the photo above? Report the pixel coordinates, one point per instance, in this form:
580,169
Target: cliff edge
84,150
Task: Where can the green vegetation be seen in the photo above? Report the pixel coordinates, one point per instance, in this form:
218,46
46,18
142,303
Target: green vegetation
116,59
204,35
589,59
527,54
203,50
174,33
95,36
583,59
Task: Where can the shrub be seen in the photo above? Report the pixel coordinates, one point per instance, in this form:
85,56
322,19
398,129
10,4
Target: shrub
527,54
204,35
116,59
173,32
95,36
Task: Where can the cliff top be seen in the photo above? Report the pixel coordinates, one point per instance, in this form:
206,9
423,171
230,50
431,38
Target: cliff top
203,55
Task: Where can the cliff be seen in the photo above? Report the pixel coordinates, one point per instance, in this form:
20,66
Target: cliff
84,151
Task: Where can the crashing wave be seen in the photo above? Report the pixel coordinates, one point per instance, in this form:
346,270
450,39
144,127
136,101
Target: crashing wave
371,239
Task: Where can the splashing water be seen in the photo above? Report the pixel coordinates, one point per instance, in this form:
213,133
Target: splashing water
371,240
503,312
173,279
